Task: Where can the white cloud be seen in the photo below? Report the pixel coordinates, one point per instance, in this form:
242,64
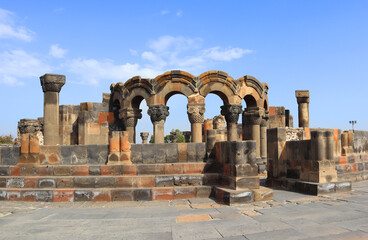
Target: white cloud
164,12
179,13
133,52
218,54
9,30
56,51
16,65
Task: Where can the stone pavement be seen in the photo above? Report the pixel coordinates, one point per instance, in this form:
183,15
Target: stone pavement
289,216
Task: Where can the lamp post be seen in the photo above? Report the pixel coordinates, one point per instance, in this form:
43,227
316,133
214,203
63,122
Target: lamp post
352,123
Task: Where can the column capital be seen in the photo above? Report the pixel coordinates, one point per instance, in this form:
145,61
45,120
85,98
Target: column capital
253,116
52,82
144,136
31,126
231,112
174,136
196,112
264,121
158,112
302,96
130,116
187,135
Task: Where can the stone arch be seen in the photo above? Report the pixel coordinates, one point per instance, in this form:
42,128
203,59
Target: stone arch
136,89
250,101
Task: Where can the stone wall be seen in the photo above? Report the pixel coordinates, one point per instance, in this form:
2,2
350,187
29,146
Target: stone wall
360,141
279,117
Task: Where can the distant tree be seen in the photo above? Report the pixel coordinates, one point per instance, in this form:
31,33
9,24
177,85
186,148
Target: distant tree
151,139
6,139
167,138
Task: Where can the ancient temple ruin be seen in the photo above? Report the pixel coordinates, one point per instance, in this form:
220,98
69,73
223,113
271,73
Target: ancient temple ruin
88,152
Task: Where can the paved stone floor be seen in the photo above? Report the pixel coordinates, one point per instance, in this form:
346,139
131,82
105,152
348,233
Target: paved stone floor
289,216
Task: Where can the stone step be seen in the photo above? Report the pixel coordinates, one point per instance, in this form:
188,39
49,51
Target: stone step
142,181
107,170
106,194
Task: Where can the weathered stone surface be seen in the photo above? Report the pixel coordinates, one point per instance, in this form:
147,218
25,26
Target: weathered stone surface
142,195
46,183
122,195
10,155
82,195
97,154
84,182
94,170
105,182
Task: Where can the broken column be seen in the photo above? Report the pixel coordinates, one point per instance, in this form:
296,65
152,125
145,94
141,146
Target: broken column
252,118
144,136
302,97
158,114
196,117
231,113
51,86
130,118
263,140
30,145
187,135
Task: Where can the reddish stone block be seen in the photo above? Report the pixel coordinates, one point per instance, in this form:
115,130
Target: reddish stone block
307,133
30,182
227,168
183,152
106,117
63,195
114,143
15,171
45,170
66,182
62,171
129,169
28,195
193,168
174,168
272,111
162,194
146,181
219,195
34,144
336,135
110,170
80,170
343,160
185,193
125,182
101,196
14,195
24,143
124,142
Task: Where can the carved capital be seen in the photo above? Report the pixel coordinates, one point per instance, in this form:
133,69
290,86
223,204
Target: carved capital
144,136
130,116
302,96
52,82
174,136
31,126
158,112
264,121
196,112
302,100
231,112
253,116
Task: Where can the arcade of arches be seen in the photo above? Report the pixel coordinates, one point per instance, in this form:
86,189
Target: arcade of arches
126,98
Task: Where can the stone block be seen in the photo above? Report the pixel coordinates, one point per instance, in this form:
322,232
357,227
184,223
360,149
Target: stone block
174,168
28,170
10,155
129,170
114,142
145,181
94,170
171,150
110,170
63,195
204,192
105,182
106,117
122,195
187,180
148,153
142,194
245,170
194,168
3,195
66,182
15,171
50,154
24,143
2,182
74,154
44,195
151,169
46,183
191,152
101,196
201,152
15,183
136,150
45,170
162,193
160,152
246,182
31,182
4,171
82,195
185,192
84,182
63,171
28,195
211,179
126,182
14,195
97,154
263,194
34,144
343,186
80,170
182,152
113,158
164,181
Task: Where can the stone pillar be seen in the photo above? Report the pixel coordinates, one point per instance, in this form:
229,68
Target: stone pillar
302,97
51,86
130,118
187,135
263,138
174,137
158,114
144,136
252,118
195,114
30,144
329,145
231,113
208,125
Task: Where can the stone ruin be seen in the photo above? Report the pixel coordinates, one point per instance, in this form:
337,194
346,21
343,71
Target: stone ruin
88,152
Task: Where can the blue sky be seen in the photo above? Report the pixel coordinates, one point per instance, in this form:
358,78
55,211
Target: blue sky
316,45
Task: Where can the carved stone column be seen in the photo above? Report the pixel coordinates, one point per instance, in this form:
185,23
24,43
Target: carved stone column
196,117
130,118
51,86
187,135
263,139
252,118
144,136
302,97
231,113
158,114
174,137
